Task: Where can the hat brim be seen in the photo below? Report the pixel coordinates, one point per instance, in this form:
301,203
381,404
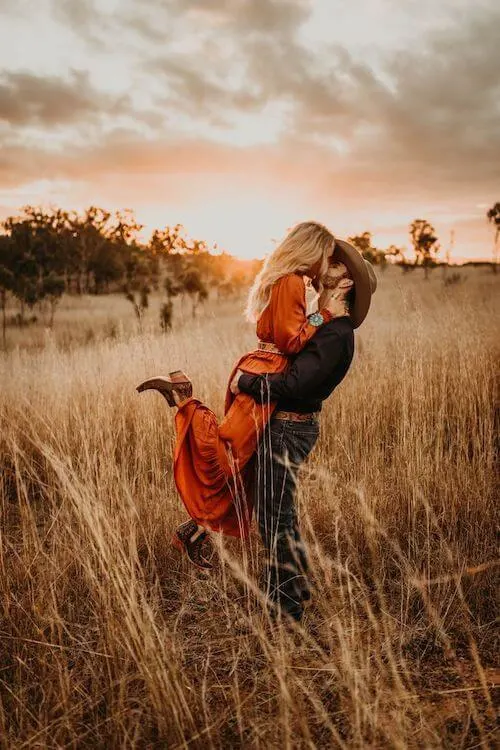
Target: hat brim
364,281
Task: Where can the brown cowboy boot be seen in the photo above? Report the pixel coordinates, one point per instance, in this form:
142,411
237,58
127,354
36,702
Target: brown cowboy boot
198,550
176,381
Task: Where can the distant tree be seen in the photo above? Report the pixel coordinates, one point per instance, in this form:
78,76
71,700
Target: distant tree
139,297
140,275
165,242
37,257
396,252
363,242
425,243
173,288
493,215
53,290
45,253
196,289
6,281
90,244
22,263
166,314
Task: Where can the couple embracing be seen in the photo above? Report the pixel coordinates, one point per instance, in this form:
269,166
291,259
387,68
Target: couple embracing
310,295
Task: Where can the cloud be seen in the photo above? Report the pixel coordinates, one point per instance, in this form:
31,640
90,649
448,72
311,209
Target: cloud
30,99
413,126
269,17
127,154
440,117
193,92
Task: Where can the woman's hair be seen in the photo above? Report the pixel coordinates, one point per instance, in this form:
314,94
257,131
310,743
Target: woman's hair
305,245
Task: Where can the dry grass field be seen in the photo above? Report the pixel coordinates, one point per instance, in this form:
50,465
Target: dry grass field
109,640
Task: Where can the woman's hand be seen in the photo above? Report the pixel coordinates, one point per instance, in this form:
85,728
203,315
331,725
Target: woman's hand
234,383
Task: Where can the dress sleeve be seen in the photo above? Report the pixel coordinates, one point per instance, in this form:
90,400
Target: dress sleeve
292,329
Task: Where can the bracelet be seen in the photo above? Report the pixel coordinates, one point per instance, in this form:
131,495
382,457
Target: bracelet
316,319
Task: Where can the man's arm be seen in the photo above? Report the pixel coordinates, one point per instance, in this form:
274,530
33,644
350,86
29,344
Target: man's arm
308,371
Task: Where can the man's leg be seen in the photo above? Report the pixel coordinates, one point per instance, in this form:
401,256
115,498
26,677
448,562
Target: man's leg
283,448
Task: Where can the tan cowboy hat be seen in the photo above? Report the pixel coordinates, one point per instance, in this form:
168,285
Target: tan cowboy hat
363,275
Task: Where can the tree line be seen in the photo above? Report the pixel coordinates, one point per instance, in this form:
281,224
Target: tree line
47,253
425,245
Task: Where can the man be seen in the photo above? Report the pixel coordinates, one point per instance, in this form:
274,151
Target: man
294,428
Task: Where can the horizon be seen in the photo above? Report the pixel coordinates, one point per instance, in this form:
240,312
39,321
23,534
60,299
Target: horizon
238,123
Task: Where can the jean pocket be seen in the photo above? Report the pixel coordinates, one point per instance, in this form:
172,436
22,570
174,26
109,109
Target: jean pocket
307,429
303,440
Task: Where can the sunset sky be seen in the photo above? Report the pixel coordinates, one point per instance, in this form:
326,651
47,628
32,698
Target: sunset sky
240,118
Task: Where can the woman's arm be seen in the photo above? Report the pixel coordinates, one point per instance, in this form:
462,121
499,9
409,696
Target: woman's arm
292,326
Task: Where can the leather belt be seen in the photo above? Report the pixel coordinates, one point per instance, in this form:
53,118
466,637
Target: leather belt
265,346
293,416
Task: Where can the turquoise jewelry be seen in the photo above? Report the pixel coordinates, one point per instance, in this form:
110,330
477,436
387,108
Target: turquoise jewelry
316,319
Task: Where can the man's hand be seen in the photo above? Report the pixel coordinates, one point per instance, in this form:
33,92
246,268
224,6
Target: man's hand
324,298
234,383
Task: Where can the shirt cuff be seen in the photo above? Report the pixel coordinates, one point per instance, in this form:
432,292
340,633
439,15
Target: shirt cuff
327,315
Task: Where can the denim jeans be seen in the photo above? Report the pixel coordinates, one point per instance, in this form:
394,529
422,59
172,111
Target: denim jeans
284,446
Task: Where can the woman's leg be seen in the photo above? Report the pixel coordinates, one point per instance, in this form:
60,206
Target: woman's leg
283,448
211,461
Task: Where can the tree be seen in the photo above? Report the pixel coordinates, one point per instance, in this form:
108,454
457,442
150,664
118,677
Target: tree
194,286
363,242
22,263
493,215
189,268
165,242
37,257
98,240
166,313
396,252
53,289
425,243
172,289
140,276
6,281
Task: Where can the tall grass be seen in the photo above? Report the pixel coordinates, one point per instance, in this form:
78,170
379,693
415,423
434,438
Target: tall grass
109,640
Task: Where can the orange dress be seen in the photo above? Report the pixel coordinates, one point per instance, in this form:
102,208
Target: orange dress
212,462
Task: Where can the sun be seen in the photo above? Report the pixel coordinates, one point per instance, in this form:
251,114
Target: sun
246,224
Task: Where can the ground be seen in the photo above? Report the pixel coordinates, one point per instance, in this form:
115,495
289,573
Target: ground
108,639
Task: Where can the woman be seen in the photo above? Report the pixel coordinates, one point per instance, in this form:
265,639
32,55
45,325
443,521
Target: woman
212,462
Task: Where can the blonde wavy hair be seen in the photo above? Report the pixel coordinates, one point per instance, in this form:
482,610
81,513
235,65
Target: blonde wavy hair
305,245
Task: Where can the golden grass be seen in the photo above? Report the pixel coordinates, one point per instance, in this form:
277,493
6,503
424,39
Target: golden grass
107,638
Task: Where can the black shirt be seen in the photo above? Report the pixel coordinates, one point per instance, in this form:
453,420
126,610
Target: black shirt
315,372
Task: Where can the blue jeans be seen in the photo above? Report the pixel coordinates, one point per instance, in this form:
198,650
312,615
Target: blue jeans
284,446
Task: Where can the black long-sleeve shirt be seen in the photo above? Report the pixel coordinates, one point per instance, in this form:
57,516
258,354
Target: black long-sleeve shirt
315,372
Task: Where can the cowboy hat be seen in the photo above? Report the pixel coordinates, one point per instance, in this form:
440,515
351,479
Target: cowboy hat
363,275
